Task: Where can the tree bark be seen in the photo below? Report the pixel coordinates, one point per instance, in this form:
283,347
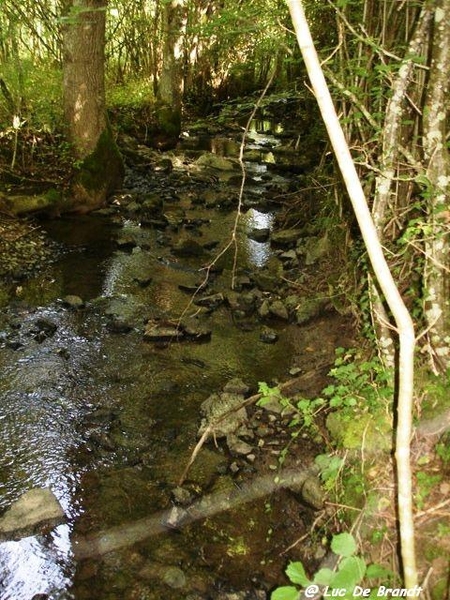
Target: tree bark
385,203
170,86
435,128
100,168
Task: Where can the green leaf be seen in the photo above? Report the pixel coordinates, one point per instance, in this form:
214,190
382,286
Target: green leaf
287,592
350,573
296,573
324,576
375,571
343,544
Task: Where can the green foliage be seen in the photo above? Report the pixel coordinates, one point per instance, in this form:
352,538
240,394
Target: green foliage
425,484
443,450
133,93
343,544
36,90
268,394
330,468
287,592
304,410
350,571
363,384
435,393
361,395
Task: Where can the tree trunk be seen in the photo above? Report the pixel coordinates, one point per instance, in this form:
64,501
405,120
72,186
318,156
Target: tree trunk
386,200
171,80
100,167
435,127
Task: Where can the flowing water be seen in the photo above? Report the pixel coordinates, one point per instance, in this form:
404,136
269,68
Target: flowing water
108,420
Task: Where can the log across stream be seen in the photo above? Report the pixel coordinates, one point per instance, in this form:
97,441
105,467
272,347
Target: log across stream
303,482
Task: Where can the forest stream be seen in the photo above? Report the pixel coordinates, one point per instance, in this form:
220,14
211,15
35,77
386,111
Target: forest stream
107,356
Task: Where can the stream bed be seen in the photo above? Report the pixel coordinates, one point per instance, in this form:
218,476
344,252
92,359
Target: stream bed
108,419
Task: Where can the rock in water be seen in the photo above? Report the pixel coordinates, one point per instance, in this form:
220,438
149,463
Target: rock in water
34,509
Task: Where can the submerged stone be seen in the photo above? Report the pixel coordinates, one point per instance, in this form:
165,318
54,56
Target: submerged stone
34,509
156,332
259,235
187,248
195,330
212,302
236,386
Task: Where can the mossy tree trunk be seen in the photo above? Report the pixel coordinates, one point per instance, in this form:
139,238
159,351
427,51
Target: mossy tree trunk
100,167
437,156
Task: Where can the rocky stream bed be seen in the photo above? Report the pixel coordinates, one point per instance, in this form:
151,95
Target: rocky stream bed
126,336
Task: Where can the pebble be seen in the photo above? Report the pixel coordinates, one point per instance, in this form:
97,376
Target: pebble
73,301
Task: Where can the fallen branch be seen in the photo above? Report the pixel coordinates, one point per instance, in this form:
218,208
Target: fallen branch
99,544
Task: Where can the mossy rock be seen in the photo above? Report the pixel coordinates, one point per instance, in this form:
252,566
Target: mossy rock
362,430
51,202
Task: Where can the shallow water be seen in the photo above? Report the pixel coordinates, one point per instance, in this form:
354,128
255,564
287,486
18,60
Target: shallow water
108,421
48,387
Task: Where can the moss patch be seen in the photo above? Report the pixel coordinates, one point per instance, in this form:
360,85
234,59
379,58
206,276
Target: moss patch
169,121
360,430
100,173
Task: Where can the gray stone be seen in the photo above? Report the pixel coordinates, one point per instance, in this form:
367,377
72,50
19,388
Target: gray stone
34,509
160,332
278,309
289,255
308,310
266,282
212,302
182,496
316,248
268,335
286,238
259,235
264,309
237,446
224,412
174,578
214,161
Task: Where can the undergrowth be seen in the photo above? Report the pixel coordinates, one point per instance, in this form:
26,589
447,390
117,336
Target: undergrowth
357,408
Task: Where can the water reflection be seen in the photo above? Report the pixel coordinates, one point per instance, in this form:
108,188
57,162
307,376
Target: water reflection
42,396
265,126
36,566
257,253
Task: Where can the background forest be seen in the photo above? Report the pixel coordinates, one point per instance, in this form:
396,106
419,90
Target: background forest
75,75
